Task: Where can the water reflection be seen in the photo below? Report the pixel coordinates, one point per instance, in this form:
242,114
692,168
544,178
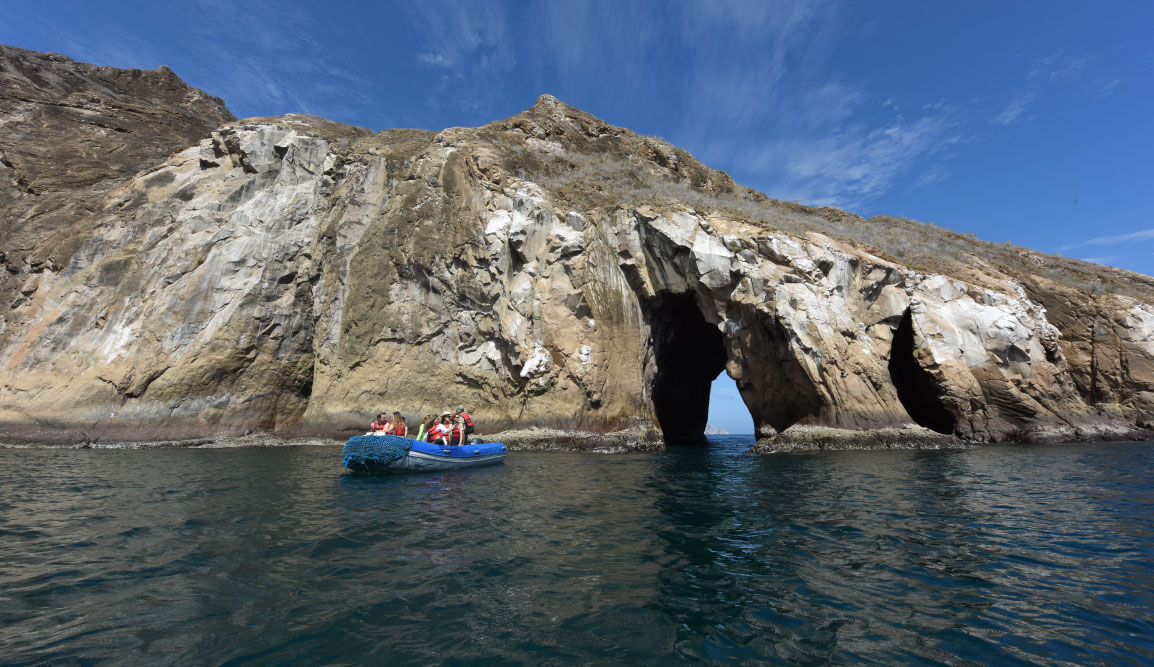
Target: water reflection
1031,555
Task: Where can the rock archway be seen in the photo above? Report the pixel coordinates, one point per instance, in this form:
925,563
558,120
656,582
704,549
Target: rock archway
688,354
916,389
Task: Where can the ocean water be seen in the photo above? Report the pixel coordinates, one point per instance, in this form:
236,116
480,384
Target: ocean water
998,555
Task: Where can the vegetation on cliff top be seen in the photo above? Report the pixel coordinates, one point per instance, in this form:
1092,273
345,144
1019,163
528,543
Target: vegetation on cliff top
589,165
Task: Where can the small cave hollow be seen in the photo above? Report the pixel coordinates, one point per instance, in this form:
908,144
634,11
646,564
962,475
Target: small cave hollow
916,388
689,354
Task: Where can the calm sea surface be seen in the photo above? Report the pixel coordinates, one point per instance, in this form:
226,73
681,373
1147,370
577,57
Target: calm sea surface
1004,555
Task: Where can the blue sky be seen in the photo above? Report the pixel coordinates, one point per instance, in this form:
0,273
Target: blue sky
1023,121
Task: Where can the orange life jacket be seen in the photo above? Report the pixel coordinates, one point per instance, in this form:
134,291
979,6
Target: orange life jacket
400,429
377,426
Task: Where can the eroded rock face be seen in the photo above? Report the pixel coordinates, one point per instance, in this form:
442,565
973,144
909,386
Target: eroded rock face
293,272
71,132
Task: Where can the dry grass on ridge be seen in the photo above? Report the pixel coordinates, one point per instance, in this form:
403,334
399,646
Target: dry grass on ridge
600,180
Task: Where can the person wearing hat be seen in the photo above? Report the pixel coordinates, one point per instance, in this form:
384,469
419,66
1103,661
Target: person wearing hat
440,430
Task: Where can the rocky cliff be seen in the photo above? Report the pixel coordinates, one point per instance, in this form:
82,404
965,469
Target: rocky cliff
291,272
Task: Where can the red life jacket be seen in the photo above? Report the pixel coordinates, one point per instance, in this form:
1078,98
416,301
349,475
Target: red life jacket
377,426
456,433
467,418
436,432
400,430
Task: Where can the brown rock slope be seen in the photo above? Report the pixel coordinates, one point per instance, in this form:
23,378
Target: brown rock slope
548,269
70,132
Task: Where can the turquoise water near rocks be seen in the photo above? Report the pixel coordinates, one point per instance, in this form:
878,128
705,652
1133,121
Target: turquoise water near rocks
1004,555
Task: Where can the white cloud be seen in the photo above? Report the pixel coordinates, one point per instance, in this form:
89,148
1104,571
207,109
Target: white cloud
469,44
1141,235
767,89
1016,107
856,164
932,176
1107,86
1060,65
755,70
434,60
262,58
1047,72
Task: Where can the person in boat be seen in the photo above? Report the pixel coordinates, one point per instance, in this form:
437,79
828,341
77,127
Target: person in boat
424,428
440,430
467,426
447,427
399,426
455,431
380,425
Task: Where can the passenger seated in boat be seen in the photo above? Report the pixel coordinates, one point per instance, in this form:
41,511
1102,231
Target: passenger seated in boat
399,426
433,433
380,425
424,428
440,430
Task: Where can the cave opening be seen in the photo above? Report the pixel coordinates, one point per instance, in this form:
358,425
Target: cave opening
916,388
689,353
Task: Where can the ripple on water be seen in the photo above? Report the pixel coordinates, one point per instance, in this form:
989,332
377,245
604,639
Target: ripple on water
1008,555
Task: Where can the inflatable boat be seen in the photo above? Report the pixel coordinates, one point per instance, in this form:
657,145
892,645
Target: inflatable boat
392,453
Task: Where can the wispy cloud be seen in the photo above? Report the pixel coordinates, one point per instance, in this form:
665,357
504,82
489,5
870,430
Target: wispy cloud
469,44
933,175
771,40
272,59
1017,106
809,135
261,57
1061,65
1106,87
1107,259
852,166
580,46
1045,73
434,60
1141,235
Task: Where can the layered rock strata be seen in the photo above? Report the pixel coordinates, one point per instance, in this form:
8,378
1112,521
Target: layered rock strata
549,269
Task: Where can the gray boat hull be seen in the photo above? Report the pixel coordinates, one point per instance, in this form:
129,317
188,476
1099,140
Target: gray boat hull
416,461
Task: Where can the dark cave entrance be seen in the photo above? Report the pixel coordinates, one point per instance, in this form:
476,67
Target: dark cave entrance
689,354
915,386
